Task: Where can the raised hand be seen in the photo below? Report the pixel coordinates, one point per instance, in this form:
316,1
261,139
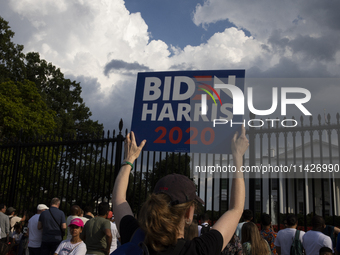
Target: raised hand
132,151
239,145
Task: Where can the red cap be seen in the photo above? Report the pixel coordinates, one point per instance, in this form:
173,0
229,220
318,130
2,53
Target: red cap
178,187
77,222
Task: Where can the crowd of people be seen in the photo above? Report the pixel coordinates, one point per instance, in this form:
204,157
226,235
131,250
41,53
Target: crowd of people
165,224
287,241
49,232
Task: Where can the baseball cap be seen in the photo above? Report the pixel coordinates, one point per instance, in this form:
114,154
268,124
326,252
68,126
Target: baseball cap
10,210
41,207
77,222
178,187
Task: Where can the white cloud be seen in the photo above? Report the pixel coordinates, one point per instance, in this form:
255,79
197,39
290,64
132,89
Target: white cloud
82,37
35,8
259,17
230,49
301,31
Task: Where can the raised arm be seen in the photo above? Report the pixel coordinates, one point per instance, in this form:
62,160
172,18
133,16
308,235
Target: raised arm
120,206
227,223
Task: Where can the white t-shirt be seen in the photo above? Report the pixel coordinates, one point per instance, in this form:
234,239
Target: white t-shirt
313,241
68,221
285,239
199,230
34,234
14,220
67,248
115,235
16,236
238,230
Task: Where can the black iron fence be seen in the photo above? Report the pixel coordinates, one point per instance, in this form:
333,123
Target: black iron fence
82,170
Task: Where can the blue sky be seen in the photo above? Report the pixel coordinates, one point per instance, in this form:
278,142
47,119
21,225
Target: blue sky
104,44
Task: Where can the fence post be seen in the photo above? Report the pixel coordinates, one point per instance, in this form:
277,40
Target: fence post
16,158
119,150
252,162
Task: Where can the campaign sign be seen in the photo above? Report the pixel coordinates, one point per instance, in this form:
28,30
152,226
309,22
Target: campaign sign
175,111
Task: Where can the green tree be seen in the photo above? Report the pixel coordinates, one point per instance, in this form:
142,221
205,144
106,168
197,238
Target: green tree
36,98
12,65
61,95
22,109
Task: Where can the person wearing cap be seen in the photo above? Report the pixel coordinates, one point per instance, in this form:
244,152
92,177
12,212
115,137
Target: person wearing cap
114,232
13,218
171,206
75,213
34,234
4,224
73,246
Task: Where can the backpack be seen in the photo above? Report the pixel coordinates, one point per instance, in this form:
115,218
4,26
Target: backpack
138,247
296,248
205,229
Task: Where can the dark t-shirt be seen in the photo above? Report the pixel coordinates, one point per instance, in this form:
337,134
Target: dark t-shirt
51,230
209,243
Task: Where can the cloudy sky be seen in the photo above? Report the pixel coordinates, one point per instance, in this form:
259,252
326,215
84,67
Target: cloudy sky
103,44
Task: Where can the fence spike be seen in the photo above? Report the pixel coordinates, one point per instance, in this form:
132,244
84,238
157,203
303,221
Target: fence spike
120,126
311,120
319,119
337,118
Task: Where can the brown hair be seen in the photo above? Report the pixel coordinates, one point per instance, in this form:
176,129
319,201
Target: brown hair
161,221
251,234
75,210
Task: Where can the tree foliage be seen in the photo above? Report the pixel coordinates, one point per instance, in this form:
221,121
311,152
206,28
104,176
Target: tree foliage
37,99
60,95
22,108
12,65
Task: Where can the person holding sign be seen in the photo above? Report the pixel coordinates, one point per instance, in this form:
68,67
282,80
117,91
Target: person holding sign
170,208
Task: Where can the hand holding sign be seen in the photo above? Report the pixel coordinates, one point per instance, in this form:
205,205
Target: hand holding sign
176,111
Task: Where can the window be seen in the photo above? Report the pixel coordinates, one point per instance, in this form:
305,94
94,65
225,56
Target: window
257,183
258,206
224,183
300,184
301,208
274,184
